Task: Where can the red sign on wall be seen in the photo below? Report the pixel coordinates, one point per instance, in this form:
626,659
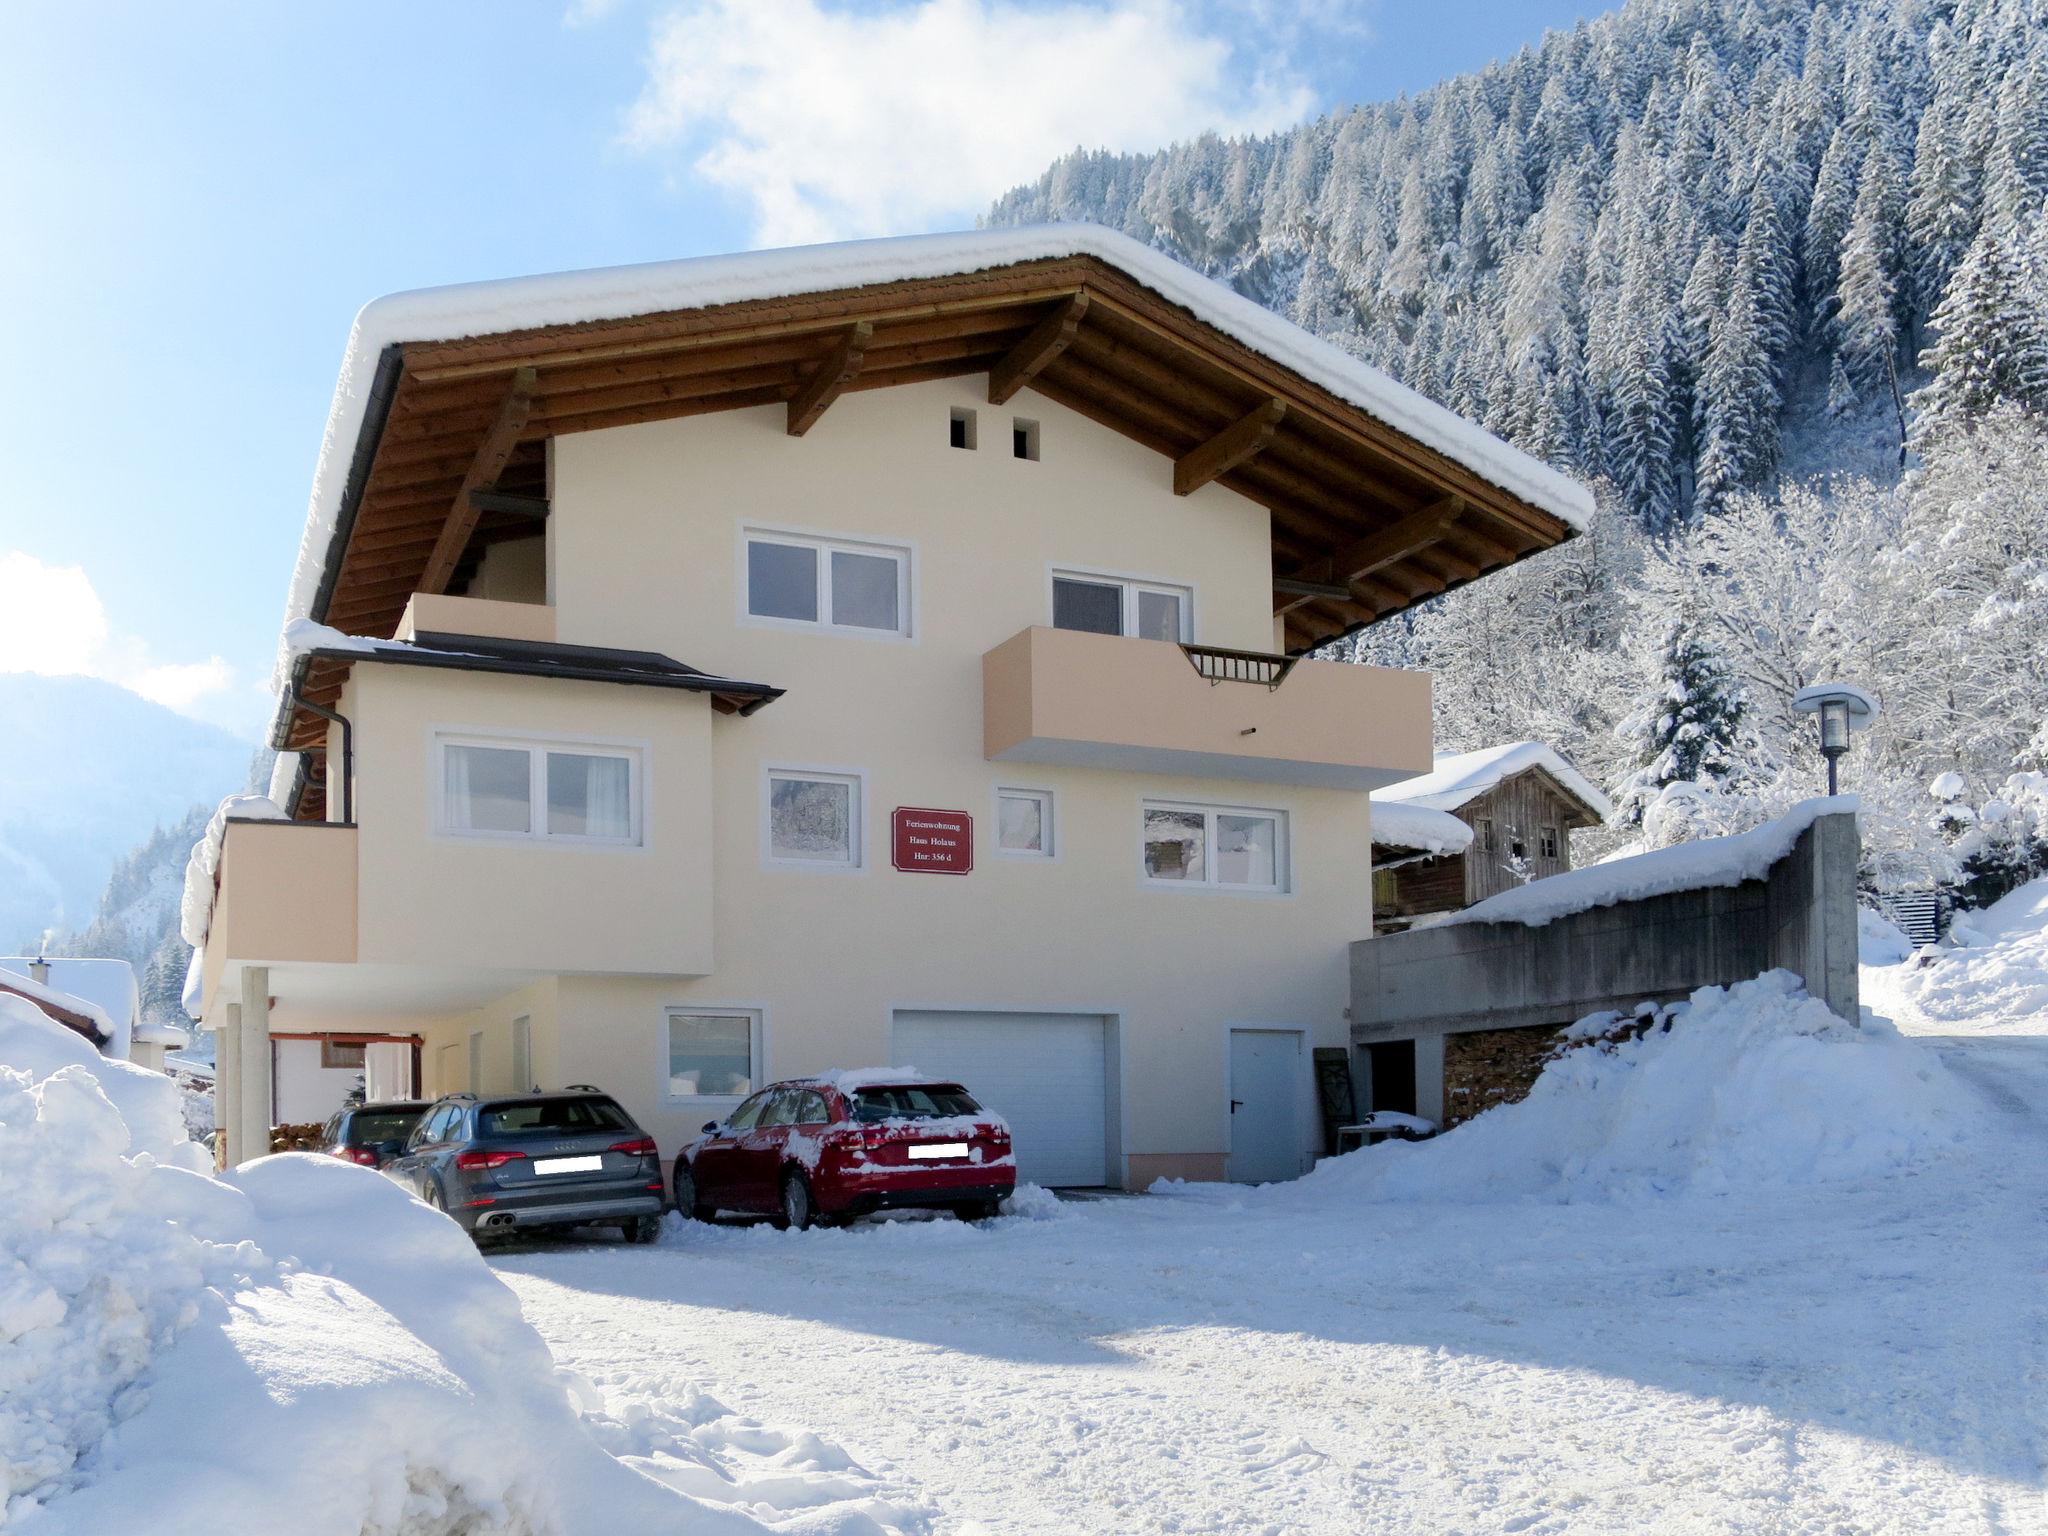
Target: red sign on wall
928,842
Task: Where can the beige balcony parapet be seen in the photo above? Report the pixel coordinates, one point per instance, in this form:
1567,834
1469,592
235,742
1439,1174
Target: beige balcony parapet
435,613
1106,701
287,892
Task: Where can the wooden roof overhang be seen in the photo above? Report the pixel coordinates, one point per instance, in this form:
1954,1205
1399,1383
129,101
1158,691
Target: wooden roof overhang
1366,520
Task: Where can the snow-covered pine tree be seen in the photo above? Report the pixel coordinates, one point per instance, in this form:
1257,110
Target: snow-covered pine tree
1864,325
1691,728
1738,398
1991,342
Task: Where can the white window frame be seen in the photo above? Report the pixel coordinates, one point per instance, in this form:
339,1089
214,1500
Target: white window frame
857,830
825,545
756,1018
1048,823
1131,587
1283,861
536,748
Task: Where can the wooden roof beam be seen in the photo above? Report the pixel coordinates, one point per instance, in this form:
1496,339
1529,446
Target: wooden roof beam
1376,552
1048,339
837,371
491,456
1233,446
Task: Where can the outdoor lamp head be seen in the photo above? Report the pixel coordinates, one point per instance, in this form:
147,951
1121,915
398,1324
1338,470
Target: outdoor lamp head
1834,726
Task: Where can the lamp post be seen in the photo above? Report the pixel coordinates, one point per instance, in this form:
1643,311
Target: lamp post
1843,708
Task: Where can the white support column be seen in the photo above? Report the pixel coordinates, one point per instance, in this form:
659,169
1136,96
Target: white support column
227,1086
255,1088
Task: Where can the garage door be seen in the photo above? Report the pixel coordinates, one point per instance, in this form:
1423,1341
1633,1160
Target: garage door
1045,1073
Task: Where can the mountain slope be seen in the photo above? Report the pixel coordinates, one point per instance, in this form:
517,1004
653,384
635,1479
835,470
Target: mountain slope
88,772
1660,248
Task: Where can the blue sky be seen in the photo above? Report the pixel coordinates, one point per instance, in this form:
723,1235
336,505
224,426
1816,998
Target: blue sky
199,197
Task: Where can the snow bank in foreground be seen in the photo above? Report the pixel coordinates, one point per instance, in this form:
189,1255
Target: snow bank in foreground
298,1347
1755,1084
1990,978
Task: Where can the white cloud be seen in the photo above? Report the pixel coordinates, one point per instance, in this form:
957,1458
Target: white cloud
53,622
835,123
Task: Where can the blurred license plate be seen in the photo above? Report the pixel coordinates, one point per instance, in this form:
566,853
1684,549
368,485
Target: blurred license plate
567,1164
931,1149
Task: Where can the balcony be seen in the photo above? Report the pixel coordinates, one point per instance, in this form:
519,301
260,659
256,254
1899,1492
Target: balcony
287,893
1105,701
436,613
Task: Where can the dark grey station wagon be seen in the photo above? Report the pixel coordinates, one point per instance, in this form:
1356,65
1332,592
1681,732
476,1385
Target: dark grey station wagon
567,1159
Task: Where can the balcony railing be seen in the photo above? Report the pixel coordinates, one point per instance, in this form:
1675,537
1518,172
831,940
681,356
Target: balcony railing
1223,666
1150,706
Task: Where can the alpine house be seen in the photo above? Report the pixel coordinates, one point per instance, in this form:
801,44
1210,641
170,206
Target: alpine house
715,671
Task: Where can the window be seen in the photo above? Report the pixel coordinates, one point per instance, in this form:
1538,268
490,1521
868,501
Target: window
1109,605
811,1110
960,428
342,1054
1024,439
743,1118
1547,845
541,1116
792,579
1201,845
934,1101
1516,848
814,819
522,1054
509,789
1024,823
1485,829
710,1055
781,1109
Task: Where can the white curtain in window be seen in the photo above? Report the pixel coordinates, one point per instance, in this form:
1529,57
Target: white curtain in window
387,1071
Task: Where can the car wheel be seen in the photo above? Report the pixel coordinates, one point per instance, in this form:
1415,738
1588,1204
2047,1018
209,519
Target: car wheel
686,1194
797,1210
431,1193
643,1229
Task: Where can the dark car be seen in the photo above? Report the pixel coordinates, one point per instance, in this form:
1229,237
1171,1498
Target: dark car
836,1148
371,1134
523,1161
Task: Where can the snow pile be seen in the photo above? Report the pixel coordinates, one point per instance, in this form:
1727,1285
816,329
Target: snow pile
1878,939
1991,977
298,1347
1686,867
1743,1087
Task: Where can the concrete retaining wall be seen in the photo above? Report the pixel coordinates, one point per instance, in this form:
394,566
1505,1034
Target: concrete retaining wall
1430,982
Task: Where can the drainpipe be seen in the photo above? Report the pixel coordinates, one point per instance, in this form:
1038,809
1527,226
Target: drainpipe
348,750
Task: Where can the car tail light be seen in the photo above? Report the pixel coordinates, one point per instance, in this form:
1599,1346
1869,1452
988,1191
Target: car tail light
361,1155
640,1147
474,1160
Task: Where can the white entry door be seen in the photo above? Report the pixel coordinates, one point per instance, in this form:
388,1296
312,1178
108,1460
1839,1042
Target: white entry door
1265,1105
1047,1074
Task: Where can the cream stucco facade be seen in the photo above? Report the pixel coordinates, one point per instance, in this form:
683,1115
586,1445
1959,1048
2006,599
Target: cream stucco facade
400,926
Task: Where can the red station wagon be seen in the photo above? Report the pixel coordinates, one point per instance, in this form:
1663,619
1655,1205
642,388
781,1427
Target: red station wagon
835,1148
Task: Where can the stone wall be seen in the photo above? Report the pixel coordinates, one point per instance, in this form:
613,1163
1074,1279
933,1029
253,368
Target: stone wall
1485,1067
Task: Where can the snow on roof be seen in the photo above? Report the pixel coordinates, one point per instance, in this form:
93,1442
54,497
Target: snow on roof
1461,777
1712,861
114,1027
1396,824
613,293
854,1078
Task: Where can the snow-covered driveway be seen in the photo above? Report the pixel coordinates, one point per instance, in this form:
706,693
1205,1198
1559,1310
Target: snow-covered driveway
1850,1358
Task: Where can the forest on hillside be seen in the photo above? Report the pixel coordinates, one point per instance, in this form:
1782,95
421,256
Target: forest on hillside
1772,276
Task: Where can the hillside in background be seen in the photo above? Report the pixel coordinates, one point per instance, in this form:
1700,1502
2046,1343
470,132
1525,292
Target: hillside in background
90,775
1737,264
